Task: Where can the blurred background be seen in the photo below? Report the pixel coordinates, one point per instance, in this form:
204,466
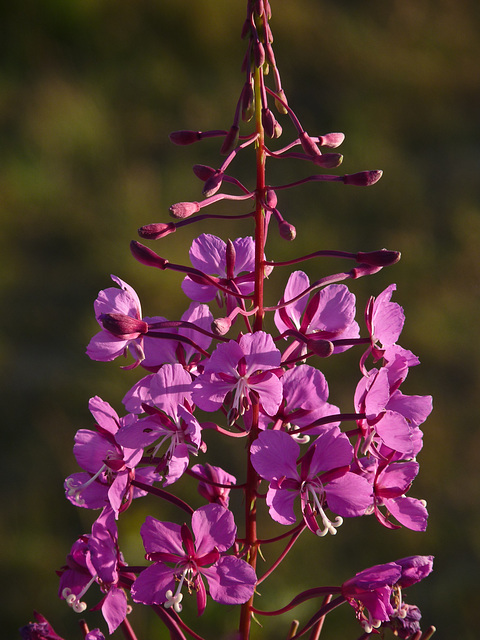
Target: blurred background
89,91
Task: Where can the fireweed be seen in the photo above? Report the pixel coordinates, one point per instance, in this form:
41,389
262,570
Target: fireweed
314,465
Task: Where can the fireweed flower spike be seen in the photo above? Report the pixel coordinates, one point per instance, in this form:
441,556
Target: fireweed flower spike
230,579
259,393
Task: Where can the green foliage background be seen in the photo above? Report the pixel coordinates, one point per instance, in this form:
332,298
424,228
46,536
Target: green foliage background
89,90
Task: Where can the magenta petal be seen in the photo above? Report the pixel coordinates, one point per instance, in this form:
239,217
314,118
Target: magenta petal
336,309
105,416
332,449
260,351
163,537
231,580
281,503
114,608
170,387
388,318
91,449
297,282
152,584
274,455
207,254
409,512
213,526
349,496
105,347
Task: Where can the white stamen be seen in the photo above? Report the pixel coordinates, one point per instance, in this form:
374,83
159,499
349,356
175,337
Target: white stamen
74,491
330,527
73,600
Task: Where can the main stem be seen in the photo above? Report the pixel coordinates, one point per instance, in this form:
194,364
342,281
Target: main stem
252,476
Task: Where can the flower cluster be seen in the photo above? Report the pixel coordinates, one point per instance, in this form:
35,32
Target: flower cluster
314,464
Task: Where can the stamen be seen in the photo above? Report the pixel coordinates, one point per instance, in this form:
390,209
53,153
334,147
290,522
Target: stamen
330,527
74,491
73,600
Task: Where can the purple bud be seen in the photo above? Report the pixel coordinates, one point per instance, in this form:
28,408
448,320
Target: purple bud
248,102
230,141
270,198
328,160
221,326
332,140
268,122
320,347
146,256
279,106
308,145
258,54
363,270
123,326
287,231
203,172
213,184
184,209
185,137
381,258
157,230
363,178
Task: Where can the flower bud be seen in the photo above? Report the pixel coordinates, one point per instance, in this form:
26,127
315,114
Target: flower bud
270,198
230,141
258,54
203,172
213,184
157,230
221,326
185,137
328,160
320,347
308,145
248,102
123,326
146,256
278,105
363,178
363,270
287,231
381,258
184,209
331,140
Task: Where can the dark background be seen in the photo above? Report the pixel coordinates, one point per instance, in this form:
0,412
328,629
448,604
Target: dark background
89,91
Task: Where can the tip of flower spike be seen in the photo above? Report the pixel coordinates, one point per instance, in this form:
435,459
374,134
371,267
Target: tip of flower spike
146,256
363,178
184,209
156,230
381,258
185,137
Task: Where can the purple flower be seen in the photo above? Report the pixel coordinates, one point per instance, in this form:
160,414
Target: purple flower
213,256
39,630
121,311
170,420
375,593
213,477
323,479
109,466
330,313
305,394
384,320
96,558
159,351
194,557
242,369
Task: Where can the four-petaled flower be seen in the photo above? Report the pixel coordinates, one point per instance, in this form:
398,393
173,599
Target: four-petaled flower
195,556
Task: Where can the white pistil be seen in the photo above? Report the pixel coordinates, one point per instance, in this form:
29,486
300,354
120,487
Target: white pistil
330,527
73,600
174,599
74,491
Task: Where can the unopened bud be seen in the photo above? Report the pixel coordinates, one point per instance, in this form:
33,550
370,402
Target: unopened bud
363,178
270,124
287,231
332,140
184,209
248,102
230,141
328,160
278,103
185,137
258,54
308,145
146,256
270,198
157,230
364,270
213,184
381,258
221,326
203,172
123,326
320,347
